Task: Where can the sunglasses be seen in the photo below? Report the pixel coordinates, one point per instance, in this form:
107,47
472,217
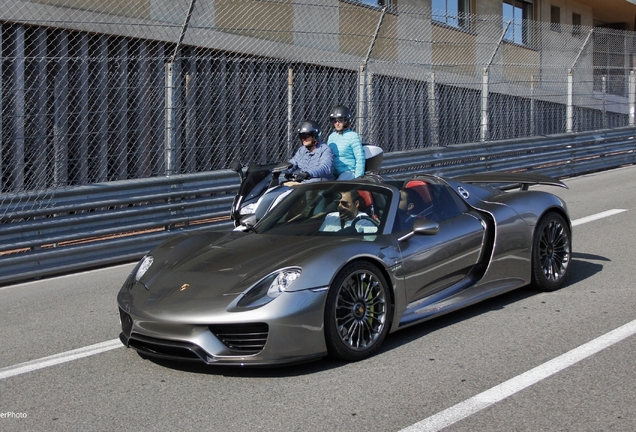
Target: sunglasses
303,137
337,120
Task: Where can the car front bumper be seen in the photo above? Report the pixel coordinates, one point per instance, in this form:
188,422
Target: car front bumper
287,330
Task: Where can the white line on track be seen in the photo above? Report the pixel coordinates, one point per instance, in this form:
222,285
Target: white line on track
59,358
71,275
498,393
597,216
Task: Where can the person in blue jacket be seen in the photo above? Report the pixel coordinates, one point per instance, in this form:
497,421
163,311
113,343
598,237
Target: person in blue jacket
314,159
346,146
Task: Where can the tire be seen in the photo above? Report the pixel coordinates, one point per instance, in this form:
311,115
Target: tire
358,312
551,252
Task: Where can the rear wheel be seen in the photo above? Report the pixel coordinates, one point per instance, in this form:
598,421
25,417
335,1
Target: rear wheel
551,252
358,312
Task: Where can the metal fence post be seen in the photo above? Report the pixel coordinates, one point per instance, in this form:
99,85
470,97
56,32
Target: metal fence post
290,110
569,109
369,108
603,109
170,134
361,102
433,115
1,124
484,106
532,103
361,124
101,119
484,86
60,112
190,119
632,96
170,120
17,152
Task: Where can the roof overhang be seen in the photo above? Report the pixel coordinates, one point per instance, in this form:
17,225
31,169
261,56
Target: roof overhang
612,11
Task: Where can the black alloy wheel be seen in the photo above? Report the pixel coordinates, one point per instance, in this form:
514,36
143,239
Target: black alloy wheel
358,312
551,252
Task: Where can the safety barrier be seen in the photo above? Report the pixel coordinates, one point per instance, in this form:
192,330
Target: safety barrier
559,156
107,223
100,224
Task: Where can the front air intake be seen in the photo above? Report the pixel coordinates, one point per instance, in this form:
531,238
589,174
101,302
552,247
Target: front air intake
242,338
166,349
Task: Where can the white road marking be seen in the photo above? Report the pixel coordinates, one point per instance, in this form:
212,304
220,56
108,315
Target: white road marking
498,393
56,359
597,216
70,275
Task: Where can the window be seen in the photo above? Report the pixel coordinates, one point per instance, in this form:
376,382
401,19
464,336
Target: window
452,12
576,25
376,3
555,18
519,14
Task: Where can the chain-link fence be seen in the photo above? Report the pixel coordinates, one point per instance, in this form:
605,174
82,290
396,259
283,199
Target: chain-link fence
102,90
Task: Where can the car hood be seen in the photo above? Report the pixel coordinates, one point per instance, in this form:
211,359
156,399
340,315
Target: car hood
205,272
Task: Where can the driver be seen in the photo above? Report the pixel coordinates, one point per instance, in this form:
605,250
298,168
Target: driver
314,159
349,215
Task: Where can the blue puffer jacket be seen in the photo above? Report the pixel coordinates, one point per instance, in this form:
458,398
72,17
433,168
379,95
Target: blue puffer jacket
347,151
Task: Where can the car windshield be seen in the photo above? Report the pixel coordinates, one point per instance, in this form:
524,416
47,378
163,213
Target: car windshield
330,208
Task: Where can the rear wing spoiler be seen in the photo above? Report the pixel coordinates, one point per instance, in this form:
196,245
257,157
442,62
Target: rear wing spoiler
511,179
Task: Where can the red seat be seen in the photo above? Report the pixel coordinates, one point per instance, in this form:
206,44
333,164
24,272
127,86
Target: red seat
368,203
421,187
367,197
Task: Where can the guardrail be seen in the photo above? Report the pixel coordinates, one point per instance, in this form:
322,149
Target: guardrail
562,155
107,223
88,226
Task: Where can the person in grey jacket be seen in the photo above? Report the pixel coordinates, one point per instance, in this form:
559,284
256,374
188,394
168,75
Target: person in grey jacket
313,161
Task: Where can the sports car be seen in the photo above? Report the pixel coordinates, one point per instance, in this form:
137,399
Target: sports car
337,266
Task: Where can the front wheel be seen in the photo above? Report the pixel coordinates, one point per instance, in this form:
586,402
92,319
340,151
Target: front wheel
551,252
358,312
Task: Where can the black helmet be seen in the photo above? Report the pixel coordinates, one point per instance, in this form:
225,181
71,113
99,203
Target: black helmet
309,127
341,112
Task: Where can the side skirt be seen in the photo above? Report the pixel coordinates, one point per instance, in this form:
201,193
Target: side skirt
460,295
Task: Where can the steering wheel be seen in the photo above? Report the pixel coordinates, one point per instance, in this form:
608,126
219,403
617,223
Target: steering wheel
375,222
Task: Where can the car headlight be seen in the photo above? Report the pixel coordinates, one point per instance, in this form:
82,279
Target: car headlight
270,287
144,265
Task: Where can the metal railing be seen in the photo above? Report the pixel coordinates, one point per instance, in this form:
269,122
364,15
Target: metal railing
105,223
112,222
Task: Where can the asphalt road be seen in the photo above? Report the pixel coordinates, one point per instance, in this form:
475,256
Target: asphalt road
436,370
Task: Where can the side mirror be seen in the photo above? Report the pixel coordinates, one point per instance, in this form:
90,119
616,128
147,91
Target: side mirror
425,227
282,166
248,221
236,166
421,227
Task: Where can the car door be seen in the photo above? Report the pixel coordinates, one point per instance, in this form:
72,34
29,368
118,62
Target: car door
433,262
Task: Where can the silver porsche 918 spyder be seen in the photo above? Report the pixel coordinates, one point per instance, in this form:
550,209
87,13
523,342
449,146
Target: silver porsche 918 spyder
336,266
